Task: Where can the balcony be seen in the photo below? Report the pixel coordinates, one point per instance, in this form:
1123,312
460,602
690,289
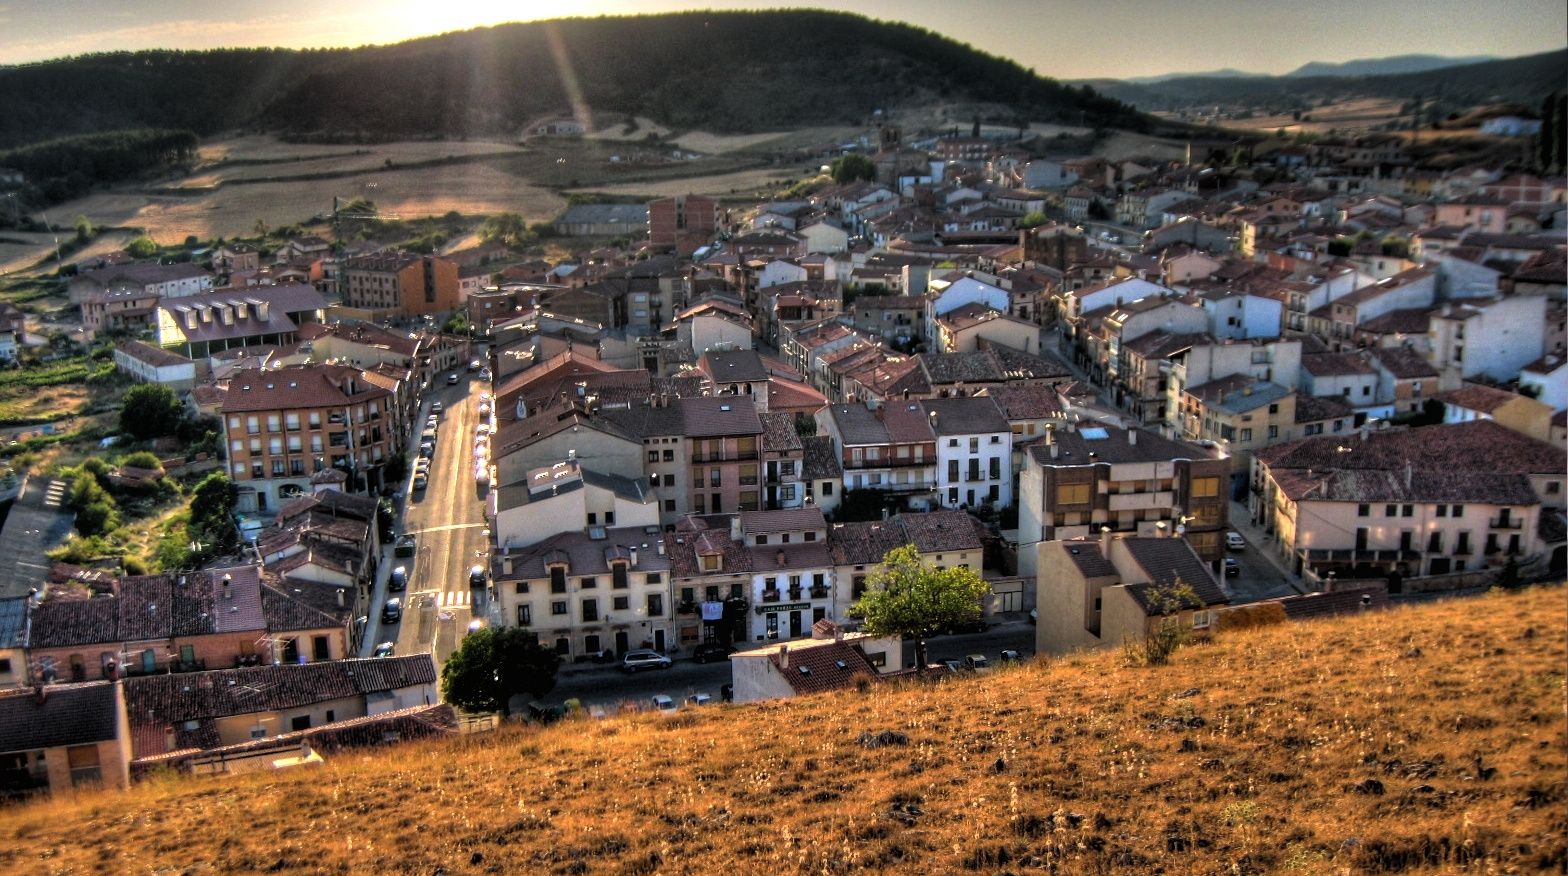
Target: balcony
770,596
686,608
819,593
1141,501
796,594
749,456
1506,523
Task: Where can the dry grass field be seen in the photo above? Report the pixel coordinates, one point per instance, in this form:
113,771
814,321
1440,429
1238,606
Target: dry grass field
1425,740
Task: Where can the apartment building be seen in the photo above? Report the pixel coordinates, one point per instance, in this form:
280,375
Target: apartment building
891,448
283,426
588,589
682,223
397,283
974,447
1429,501
1085,480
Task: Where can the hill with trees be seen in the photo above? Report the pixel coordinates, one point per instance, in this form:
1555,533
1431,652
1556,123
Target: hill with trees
1455,89
719,71
1423,739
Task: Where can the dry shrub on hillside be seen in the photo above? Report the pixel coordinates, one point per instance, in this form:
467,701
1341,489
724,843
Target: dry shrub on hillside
1426,739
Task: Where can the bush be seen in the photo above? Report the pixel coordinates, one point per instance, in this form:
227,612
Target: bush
150,411
142,247
142,459
97,518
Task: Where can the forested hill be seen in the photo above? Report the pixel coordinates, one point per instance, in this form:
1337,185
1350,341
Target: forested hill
719,71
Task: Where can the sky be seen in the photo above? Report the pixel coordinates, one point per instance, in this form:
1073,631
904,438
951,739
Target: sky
1067,39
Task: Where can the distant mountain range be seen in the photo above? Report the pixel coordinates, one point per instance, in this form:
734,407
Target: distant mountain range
1386,66
717,71
1454,84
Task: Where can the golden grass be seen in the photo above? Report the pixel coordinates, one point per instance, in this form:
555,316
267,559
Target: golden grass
1428,739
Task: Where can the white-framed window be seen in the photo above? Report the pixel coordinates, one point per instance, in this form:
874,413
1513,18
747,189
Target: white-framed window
1202,620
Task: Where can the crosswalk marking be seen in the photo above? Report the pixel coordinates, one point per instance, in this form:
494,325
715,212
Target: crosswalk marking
456,600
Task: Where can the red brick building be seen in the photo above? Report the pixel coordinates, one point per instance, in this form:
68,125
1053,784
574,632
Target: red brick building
400,284
682,223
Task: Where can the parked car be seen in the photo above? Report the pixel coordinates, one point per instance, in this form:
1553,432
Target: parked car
699,699
711,652
421,481
484,374
1232,567
427,449
643,658
392,612
385,649
976,661
1010,656
452,379
1234,541
974,626
476,625
475,365
949,665
435,408
397,582
476,576
1034,616
406,545
662,703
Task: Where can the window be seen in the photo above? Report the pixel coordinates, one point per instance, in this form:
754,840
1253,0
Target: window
590,611
952,442
557,579
621,603
653,456
1202,619
995,467
593,518
1274,408
1390,510
669,455
1204,488
1553,487
669,481
656,605
1407,511
83,762
762,539
1442,510
609,518
299,722
320,649
827,488
525,615
710,563
669,504
5,666
810,536
558,607
1459,511
1072,494
589,583
1273,432
1246,434
618,576
1363,510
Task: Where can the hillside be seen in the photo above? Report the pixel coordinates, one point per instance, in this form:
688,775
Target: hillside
719,71
1519,80
1386,66
1427,739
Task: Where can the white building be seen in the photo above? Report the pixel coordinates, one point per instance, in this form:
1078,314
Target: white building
566,496
1496,338
974,450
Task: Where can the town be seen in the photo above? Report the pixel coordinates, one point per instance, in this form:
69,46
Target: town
1126,399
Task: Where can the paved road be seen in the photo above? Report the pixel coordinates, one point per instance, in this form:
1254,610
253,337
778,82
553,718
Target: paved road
447,519
607,685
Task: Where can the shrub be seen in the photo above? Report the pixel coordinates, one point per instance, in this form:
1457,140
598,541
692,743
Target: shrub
142,459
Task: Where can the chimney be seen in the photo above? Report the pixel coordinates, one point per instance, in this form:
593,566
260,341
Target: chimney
263,310
735,534
228,586
782,558
784,657
1055,448
1409,473
1132,436
342,598
634,556
838,633
169,739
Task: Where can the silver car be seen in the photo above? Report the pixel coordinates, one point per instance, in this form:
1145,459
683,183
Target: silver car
642,658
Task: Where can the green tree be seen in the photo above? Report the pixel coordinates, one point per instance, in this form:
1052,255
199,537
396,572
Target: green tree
493,665
909,598
97,518
212,516
1032,220
142,459
508,229
84,229
142,247
150,410
1169,632
848,168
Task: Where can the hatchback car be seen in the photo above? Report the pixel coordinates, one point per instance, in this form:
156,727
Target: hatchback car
1234,541
435,408
699,699
427,449
452,379
392,612
1010,656
662,703
643,658
385,649
976,661
406,545
711,652
476,576
398,581
475,365
421,481
1232,568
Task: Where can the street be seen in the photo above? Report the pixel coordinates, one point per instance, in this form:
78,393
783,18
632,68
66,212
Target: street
607,685
447,519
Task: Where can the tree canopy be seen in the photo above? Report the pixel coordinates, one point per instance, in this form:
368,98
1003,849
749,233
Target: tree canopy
494,664
142,247
848,168
150,410
910,598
